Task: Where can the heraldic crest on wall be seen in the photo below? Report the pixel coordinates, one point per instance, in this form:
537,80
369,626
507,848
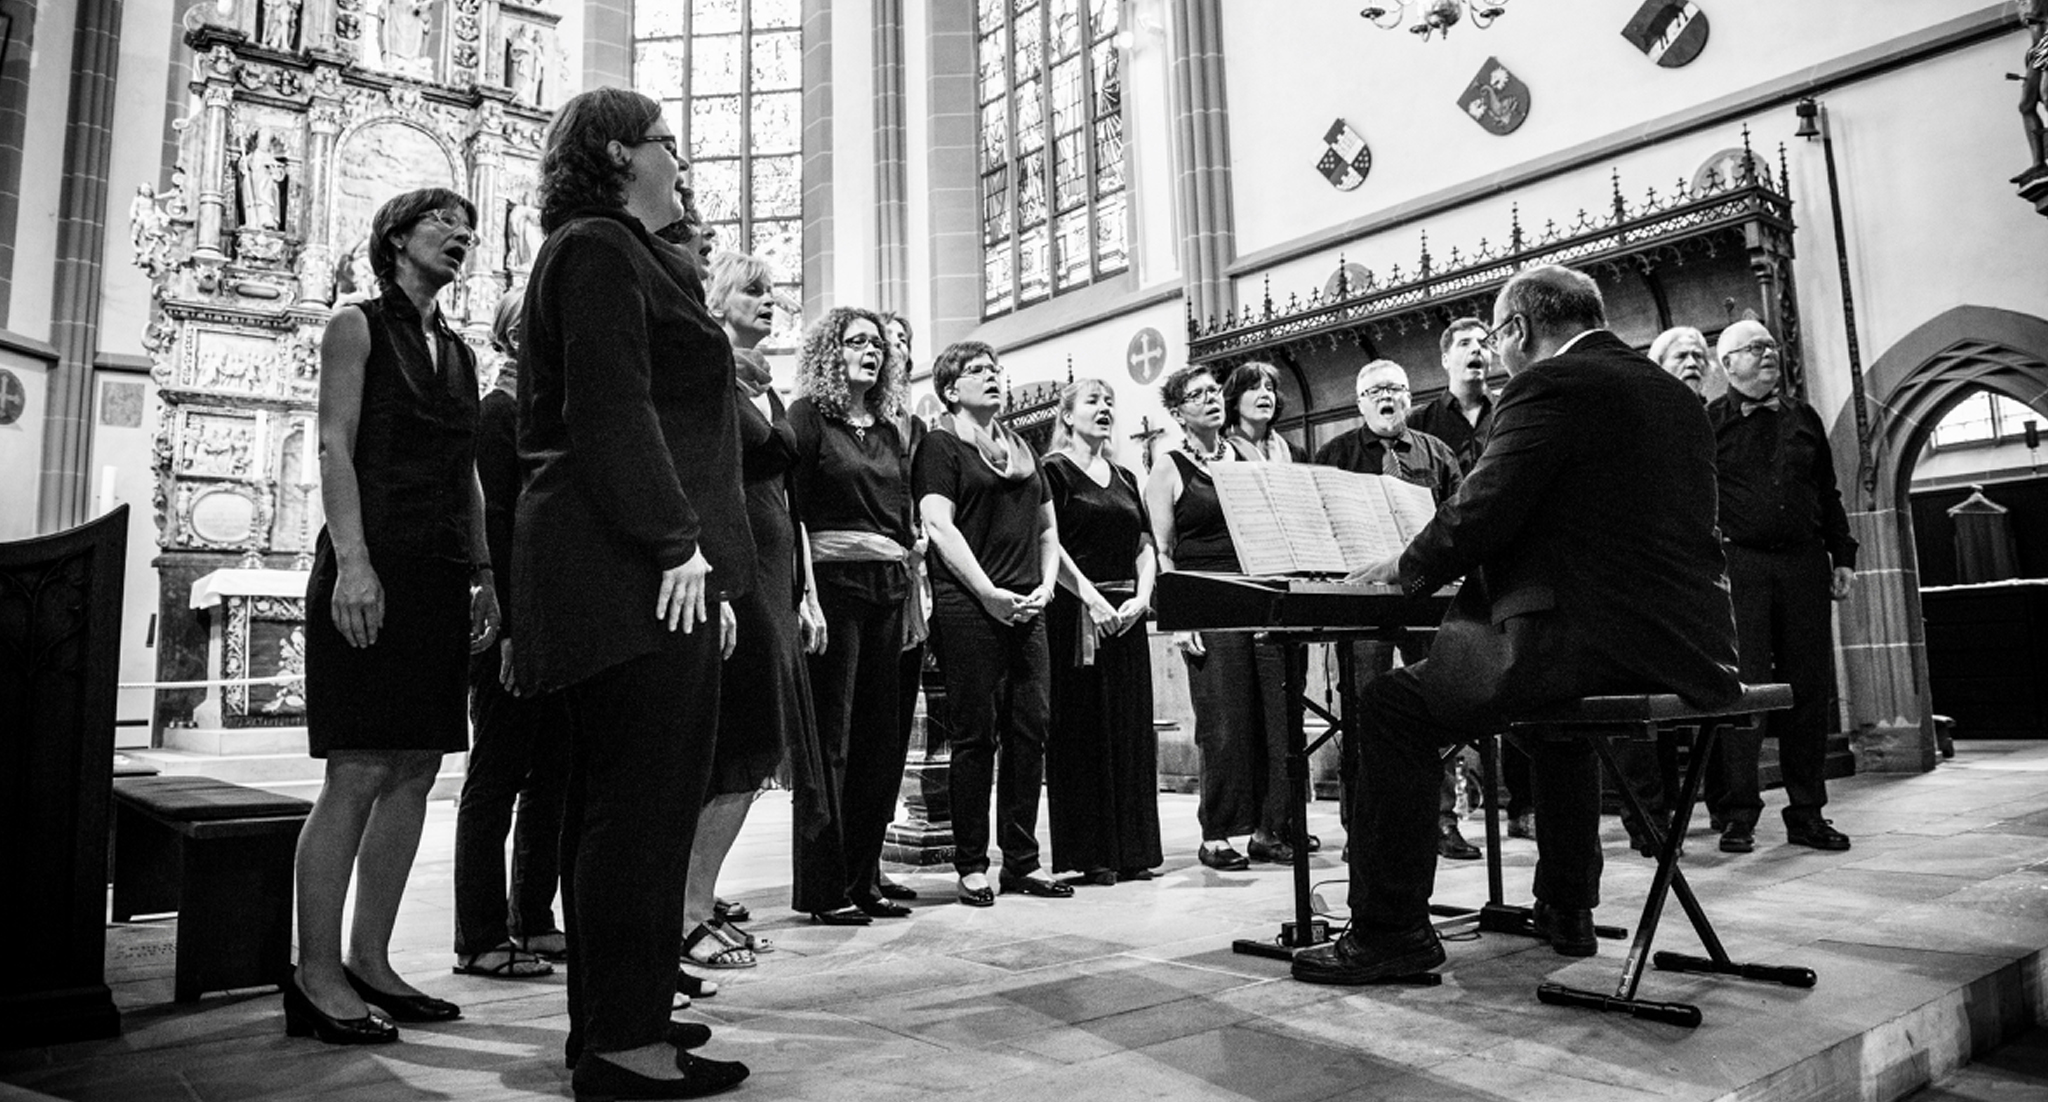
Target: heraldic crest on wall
1496,99
1669,32
1346,159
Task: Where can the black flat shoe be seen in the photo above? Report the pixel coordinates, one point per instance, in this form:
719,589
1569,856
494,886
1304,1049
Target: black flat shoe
303,1019
1031,885
600,1080
694,986
882,908
403,1008
890,889
1279,853
977,897
680,1035
730,912
1224,859
848,915
1355,959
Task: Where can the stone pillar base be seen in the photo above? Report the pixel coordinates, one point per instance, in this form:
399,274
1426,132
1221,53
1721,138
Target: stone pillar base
1898,746
924,836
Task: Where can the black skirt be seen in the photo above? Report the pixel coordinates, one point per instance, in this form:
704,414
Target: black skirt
407,691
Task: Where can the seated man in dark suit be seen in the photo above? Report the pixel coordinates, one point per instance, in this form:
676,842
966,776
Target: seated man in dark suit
1585,535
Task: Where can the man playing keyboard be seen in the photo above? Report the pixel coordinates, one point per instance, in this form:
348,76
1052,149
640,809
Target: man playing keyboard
1586,538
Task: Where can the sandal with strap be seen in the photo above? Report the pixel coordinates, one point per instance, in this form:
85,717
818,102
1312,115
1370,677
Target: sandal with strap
517,965
730,932
723,954
552,946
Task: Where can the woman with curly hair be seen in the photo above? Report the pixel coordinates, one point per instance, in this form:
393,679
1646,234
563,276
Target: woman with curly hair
630,536
853,497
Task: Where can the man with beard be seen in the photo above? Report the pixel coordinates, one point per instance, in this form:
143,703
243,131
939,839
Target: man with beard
1682,352
1585,535
1386,445
1789,552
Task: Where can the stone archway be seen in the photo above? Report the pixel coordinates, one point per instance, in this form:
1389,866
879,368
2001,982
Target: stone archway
1882,640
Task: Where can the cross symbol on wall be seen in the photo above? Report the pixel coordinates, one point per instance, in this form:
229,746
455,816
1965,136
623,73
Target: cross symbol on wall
1145,435
1147,355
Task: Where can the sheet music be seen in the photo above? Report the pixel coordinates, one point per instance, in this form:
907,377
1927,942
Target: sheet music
1358,515
1412,507
1276,519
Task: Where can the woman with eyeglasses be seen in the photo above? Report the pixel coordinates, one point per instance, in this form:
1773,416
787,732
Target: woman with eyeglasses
989,516
1240,697
853,497
399,598
1251,403
631,535
1101,755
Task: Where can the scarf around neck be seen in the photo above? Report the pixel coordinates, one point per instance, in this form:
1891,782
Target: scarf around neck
1004,451
750,370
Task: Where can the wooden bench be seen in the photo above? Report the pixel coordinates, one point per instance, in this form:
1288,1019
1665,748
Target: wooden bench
220,855
1649,717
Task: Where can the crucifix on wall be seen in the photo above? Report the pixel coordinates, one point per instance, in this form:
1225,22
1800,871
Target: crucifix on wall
1145,435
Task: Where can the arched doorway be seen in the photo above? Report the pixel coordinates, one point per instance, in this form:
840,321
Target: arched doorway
1880,632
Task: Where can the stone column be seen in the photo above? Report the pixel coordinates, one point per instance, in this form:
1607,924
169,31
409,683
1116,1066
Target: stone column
211,169
485,279
892,232
1883,652
819,247
1201,156
62,499
316,256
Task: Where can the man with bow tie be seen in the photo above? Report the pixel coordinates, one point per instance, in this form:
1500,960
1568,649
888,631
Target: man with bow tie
1789,551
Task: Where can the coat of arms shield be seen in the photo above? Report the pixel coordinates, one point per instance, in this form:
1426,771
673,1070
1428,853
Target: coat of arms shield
1346,160
1496,99
1670,32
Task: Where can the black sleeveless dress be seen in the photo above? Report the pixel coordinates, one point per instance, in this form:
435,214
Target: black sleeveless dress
414,463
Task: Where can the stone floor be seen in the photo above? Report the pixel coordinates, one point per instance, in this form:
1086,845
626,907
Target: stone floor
1927,937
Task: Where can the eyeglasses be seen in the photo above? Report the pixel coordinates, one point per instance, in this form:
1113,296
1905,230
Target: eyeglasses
1491,341
860,340
1384,390
666,141
1201,395
447,220
1758,348
981,369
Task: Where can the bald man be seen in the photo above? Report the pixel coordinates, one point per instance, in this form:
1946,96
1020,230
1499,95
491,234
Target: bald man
1789,552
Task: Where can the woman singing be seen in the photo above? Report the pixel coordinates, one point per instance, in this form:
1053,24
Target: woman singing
1101,756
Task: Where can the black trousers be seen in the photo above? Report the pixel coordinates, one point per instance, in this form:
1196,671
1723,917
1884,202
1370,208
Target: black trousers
642,738
1784,632
1371,658
1244,697
854,690
998,677
1393,859
518,754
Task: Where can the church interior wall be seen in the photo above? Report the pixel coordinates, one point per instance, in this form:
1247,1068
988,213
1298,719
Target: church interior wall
124,417
135,158
21,445
853,189
42,177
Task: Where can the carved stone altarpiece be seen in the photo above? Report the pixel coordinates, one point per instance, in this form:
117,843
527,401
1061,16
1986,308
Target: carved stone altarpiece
306,115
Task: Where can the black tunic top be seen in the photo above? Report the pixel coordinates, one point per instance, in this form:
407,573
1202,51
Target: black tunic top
416,440
630,440
1201,539
1445,420
848,481
1777,479
1100,526
999,517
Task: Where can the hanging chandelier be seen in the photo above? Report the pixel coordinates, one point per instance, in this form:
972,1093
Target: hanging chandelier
1434,16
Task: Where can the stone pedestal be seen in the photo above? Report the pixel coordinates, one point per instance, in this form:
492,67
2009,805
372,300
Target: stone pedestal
256,629
924,836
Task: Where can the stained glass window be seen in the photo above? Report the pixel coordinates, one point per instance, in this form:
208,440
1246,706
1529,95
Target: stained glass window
729,75
1053,202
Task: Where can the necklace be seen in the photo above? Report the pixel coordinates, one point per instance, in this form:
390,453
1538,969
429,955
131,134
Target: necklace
1203,459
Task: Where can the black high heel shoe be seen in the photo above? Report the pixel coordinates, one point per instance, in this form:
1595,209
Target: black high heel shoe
303,1019
403,1008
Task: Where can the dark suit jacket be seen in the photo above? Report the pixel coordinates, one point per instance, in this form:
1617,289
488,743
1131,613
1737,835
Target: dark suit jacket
1586,536
497,471
630,442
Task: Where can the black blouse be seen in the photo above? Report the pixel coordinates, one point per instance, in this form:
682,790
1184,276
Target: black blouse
1201,539
416,439
999,517
1100,526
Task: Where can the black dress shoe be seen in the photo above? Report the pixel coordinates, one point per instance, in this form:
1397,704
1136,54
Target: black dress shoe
1522,826
403,1008
600,1080
1277,852
1818,833
977,897
1569,929
1738,838
848,915
1223,858
680,1036
890,889
882,908
1370,957
1452,844
303,1019
730,912
1031,885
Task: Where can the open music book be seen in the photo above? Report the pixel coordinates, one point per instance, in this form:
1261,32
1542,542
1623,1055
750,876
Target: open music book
1297,518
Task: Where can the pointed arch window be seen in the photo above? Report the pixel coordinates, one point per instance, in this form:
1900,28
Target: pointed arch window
729,75
1054,202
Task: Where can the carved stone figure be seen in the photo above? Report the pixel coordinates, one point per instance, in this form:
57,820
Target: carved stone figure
2033,79
281,24
370,35
522,233
148,230
525,61
406,23
263,177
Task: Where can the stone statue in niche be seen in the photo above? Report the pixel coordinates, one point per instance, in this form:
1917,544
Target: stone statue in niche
525,62
2033,79
522,232
148,231
264,177
370,34
354,280
406,25
281,24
